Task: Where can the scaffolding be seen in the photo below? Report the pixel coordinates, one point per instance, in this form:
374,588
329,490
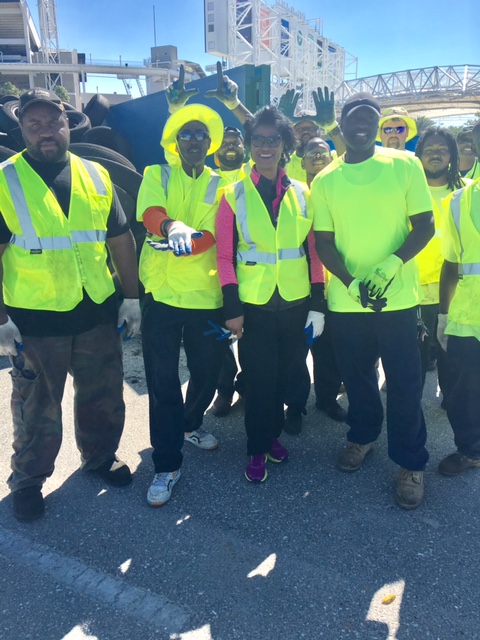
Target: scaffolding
300,57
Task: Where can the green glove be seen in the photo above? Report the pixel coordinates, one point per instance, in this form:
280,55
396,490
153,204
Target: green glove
381,276
325,107
176,94
359,292
226,91
288,103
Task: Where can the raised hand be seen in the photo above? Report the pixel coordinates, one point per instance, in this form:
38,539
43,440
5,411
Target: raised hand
177,95
325,108
226,91
288,103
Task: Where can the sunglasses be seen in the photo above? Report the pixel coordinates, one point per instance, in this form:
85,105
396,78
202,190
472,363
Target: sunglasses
18,363
269,141
186,136
389,130
314,155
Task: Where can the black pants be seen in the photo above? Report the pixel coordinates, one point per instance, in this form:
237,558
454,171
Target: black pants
430,317
360,338
230,379
326,376
273,354
463,403
163,327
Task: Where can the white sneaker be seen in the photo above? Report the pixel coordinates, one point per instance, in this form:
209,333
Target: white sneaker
161,488
202,439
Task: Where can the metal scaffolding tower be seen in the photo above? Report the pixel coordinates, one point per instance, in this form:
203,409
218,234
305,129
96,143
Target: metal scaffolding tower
49,38
300,57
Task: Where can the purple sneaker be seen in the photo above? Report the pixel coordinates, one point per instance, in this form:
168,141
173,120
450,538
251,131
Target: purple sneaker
278,453
255,471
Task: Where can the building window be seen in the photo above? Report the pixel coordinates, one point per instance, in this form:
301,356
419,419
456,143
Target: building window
211,28
210,6
211,18
211,45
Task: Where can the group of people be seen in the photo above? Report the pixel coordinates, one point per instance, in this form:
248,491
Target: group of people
357,254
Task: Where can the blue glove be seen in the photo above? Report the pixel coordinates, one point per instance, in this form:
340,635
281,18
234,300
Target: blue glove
221,332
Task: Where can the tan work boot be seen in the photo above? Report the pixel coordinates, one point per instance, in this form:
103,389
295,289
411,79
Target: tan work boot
410,489
352,457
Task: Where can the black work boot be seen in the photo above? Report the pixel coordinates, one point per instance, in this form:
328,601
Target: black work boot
28,504
114,472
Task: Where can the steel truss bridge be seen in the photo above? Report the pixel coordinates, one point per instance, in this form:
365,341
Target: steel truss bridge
432,91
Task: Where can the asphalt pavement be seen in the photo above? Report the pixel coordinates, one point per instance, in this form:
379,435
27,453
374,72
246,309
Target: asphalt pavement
311,553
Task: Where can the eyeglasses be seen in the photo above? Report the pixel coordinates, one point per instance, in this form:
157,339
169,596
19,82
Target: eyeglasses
18,363
314,155
186,136
389,130
269,141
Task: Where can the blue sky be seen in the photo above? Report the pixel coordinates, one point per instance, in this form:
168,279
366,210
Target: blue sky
388,36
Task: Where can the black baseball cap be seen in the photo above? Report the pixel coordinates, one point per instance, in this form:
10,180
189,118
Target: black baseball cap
37,96
464,132
233,131
362,99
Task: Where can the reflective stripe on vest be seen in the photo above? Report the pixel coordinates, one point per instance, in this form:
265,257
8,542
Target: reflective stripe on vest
252,255
29,240
211,188
470,268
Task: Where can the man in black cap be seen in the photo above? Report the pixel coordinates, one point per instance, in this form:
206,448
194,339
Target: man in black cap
373,214
59,311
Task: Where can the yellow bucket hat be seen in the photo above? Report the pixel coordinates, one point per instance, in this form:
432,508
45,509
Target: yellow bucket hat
190,113
398,112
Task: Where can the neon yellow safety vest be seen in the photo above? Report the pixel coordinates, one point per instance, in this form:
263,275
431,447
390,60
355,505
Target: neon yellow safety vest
269,257
194,273
465,306
52,258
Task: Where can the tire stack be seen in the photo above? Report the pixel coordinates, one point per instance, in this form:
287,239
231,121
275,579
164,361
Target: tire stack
88,139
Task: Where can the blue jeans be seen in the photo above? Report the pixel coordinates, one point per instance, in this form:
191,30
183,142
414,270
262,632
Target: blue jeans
359,339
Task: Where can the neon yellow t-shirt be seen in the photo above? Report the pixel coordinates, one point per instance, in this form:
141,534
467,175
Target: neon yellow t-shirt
294,168
367,206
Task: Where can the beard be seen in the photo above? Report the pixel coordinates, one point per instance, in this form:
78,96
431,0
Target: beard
50,155
231,163
435,175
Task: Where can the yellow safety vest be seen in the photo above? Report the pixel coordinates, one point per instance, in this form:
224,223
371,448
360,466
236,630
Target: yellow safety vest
465,306
269,257
52,258
194,273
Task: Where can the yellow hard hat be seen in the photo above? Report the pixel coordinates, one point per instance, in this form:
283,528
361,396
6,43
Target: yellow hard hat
190,113
398,112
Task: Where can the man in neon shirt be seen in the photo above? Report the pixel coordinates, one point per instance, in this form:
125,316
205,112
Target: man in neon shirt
372,216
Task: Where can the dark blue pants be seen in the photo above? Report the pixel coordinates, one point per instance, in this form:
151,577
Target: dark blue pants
163,327
273,356
326,376
463,383
359,339
430,316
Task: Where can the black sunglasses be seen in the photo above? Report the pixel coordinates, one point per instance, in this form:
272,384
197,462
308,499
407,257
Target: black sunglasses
186,136
270,141
18,363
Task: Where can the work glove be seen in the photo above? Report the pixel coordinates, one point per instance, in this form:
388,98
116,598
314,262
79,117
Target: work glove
314,326
441,326
129,318
176,94
359,292
180,237
325,107
226,91
288,103
382,274
9,335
